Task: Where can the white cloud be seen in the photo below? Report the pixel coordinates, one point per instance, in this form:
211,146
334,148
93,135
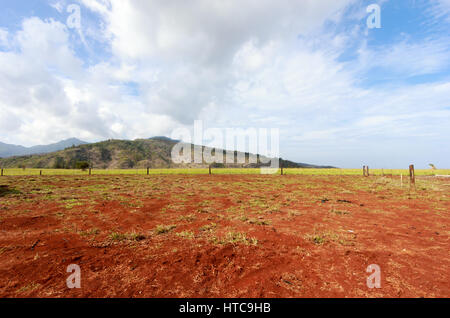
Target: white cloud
409,58
4,37
195,51
441,9
47,94
206,31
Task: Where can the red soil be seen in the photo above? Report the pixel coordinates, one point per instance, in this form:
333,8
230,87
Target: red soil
316,237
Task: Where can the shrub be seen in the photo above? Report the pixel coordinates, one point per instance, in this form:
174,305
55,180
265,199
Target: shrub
83,165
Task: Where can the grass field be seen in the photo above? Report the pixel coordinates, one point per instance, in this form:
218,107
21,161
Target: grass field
288,171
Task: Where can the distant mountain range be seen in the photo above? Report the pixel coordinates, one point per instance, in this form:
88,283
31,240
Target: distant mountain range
7,150
113,154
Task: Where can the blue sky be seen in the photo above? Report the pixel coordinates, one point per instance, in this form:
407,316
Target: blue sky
340,93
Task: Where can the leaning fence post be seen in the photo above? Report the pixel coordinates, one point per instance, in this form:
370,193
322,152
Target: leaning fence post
412,177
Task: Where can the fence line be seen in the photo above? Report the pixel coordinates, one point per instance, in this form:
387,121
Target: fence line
220,171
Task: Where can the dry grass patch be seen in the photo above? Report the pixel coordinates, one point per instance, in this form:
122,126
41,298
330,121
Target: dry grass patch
162,229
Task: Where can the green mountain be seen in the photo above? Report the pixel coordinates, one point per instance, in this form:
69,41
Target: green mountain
122,154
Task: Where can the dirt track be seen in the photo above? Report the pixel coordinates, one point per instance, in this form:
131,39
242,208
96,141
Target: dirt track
234,236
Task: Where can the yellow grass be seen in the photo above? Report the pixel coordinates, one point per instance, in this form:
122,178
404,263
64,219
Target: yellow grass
287,171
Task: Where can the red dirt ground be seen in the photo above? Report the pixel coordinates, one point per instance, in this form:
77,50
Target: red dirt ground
235,236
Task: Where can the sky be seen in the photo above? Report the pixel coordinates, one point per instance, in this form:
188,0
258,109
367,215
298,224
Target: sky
340,93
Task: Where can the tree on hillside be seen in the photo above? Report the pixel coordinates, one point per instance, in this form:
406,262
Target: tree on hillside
83,165
59,163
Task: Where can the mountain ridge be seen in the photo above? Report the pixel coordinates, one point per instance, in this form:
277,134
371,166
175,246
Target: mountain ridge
153,152
11,150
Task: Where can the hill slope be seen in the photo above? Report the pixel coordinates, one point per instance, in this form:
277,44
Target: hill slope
120,154
8,150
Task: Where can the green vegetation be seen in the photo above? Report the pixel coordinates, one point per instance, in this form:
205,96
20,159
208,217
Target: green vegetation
323,237
186,234
90,232
208,227
71,203
6,190
116,154
155,153
235,238
135,236
162,229
317,239
83,165
119,237
258,222
187,218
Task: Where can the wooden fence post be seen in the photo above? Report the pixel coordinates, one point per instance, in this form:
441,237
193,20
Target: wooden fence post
90,172
40,172
412,177
2,172
366,171
210,170
148,171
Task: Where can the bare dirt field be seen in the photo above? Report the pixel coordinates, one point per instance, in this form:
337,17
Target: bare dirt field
224,236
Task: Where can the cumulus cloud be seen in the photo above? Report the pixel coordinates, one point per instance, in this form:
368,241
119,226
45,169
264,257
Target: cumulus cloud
197,51
205,31
48,94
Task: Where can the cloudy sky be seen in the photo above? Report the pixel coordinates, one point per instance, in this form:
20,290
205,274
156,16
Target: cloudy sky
339,92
